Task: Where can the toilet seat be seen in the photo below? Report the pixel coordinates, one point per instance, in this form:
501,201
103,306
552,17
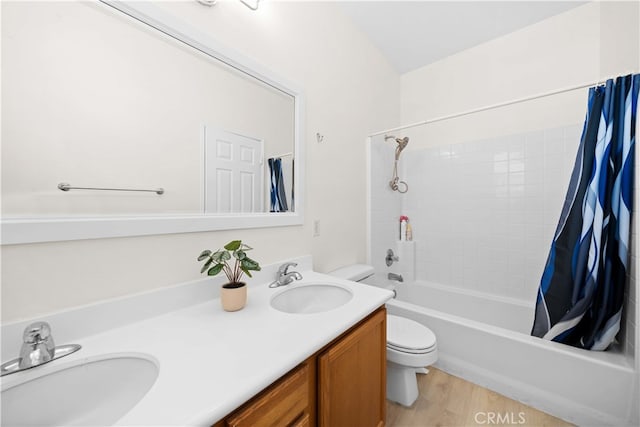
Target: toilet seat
408,336
410,351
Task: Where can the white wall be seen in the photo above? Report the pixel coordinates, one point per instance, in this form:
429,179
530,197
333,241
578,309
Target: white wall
351,91
583,45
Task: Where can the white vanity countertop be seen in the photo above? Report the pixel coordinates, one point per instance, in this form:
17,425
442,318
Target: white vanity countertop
212,361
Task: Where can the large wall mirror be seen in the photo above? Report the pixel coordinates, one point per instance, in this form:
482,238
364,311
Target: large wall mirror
119,119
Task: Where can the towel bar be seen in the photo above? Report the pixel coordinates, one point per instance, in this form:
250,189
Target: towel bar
66,187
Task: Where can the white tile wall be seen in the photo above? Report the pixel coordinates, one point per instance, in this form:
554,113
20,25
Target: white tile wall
484,212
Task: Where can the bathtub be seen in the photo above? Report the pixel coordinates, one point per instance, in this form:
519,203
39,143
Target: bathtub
485,339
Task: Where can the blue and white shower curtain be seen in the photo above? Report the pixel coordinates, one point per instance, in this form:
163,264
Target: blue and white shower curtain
278,192
582,287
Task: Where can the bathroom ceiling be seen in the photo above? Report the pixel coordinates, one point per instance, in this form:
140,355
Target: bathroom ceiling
412,34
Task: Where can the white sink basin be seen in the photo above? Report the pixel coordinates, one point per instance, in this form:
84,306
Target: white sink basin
90,392
311,298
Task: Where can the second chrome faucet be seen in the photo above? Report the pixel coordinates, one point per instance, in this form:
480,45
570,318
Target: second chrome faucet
284,276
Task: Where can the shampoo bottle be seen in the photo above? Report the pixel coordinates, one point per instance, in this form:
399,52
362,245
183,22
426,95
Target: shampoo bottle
404,220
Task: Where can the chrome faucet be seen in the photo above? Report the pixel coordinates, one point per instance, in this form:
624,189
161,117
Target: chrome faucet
396,277
284,277
37,346
37,349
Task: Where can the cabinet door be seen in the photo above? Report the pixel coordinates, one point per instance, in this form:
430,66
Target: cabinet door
352,377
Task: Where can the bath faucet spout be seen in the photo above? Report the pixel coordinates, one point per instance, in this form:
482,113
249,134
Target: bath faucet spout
396,277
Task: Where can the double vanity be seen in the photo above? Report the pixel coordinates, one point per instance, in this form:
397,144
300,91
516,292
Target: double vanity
312,352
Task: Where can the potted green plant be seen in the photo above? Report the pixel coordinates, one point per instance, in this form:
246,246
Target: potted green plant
234,293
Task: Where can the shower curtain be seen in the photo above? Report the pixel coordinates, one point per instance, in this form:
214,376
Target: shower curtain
278,193
582,287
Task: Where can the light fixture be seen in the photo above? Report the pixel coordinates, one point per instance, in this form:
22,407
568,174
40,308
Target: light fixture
207,2
251,4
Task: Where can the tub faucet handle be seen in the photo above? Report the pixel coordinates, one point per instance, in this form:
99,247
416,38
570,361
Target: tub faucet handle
391,257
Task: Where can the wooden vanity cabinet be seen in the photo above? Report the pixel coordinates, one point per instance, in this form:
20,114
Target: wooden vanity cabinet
352,377
342,385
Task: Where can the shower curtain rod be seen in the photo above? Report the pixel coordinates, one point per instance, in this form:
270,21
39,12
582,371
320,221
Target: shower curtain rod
491,107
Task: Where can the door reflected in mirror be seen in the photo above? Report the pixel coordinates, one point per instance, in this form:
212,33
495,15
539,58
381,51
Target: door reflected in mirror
97,99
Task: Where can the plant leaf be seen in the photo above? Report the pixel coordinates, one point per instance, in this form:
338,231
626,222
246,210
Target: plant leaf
249,264
215,270
221,256
246,271
233,245
204,254
206,265
240,254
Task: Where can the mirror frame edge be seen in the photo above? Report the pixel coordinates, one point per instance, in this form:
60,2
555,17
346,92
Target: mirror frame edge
28,230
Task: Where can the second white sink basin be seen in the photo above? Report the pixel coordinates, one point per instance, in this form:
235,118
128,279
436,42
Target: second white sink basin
309,298
90,392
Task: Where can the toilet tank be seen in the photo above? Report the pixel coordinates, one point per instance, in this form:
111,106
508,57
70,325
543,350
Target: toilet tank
355,272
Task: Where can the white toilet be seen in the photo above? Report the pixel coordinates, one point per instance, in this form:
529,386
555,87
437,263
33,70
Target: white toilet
410,345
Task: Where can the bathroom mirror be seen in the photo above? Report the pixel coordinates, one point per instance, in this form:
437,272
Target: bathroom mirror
102,98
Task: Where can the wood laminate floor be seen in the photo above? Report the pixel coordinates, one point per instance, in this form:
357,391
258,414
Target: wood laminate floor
446,400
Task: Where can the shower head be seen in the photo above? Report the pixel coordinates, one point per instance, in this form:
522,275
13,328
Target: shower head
402,143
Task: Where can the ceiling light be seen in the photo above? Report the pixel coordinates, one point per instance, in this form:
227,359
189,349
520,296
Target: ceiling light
251,4
207,2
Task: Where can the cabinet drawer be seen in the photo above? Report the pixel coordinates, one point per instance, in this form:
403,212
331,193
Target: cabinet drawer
303,421
282,404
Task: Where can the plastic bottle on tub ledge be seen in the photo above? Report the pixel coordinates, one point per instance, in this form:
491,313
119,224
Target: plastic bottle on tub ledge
404,220
409,232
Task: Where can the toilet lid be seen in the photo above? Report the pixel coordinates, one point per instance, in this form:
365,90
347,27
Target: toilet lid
403,333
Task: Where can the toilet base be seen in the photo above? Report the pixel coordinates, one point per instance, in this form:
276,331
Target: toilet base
402,384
